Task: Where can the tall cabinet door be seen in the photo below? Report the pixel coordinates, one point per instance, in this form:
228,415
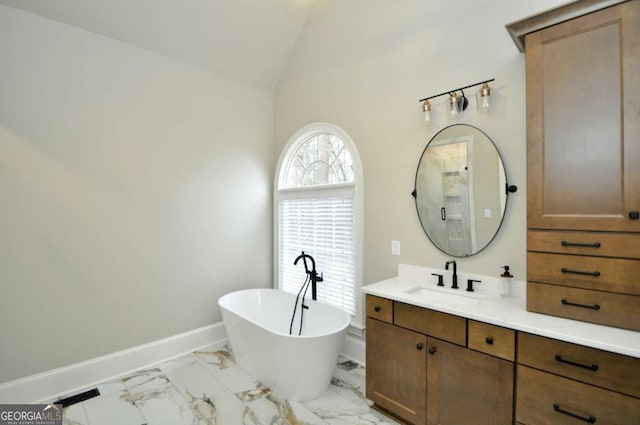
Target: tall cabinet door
397,370
583,122
467,387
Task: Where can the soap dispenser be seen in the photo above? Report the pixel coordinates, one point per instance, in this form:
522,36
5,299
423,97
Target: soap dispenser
507,283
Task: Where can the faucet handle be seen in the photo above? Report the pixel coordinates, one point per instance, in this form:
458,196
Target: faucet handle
470,284
321,278
440,279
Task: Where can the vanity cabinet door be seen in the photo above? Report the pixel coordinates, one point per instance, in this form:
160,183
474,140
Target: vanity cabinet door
583,122
467,387
397,370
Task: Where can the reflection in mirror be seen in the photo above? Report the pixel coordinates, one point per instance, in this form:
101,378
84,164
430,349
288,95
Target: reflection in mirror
460,190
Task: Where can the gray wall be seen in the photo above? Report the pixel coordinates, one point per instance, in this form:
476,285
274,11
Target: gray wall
364,64
134,191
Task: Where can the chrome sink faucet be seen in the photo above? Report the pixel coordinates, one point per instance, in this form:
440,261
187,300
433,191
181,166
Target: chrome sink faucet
454,276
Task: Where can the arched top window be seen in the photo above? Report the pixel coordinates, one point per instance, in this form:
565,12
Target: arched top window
318,210
320,159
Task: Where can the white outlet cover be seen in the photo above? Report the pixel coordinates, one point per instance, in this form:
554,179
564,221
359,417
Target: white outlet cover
395,247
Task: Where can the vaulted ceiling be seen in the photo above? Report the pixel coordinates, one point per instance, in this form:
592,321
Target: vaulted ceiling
246,40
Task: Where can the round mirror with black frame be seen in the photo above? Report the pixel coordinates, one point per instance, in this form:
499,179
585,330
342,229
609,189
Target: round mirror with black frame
461,190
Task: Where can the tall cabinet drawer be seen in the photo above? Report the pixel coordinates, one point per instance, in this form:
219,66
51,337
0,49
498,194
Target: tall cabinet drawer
606,308
543,398
596,367
596,244
602,274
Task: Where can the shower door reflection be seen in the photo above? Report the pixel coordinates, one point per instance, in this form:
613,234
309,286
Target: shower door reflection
450,195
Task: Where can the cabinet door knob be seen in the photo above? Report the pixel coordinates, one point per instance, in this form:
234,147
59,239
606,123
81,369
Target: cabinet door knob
634,215
489,340
432,350
420,346
377,308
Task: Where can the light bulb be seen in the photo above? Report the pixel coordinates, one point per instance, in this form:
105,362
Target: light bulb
484,98
426,109
455,103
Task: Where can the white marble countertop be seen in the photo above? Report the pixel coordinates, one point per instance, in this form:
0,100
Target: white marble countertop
506,312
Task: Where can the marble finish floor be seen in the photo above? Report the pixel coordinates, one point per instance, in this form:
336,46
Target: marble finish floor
207,388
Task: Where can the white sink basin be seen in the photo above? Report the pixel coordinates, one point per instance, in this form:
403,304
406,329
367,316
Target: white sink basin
454,297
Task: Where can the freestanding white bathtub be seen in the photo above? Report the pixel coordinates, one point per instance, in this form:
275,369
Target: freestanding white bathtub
295,367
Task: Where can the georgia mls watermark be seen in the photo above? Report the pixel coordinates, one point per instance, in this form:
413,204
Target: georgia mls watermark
30,414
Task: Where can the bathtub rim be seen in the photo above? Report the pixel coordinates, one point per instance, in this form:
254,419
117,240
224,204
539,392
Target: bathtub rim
319,335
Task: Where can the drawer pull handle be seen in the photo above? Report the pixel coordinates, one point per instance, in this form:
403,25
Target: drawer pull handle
592,307
377,308
592,367
589,419
565,270
580,244
432,350
419,346
489,340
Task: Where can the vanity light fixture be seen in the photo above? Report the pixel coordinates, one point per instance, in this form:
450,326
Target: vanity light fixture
459,102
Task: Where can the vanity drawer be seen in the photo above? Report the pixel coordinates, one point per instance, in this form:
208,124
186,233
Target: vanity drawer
603,274
602,368
433,323
596,244
605,308
543,398
493,340
380,308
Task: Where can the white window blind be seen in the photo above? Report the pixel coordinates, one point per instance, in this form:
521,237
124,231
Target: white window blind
320,223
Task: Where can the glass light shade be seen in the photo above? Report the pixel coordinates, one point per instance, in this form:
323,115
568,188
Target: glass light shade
456,103
484,98
426,109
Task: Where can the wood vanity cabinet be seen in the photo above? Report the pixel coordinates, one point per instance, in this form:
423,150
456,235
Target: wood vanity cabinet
420,369
583,167
474,376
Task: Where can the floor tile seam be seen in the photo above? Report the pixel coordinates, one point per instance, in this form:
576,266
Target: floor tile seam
120,399
208,366
130,398
201,363
182,389
84,412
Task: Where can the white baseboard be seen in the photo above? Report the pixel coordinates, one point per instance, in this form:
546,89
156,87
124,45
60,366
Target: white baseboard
46,386
354,348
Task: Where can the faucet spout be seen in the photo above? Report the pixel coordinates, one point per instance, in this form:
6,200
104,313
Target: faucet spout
454,276
312,273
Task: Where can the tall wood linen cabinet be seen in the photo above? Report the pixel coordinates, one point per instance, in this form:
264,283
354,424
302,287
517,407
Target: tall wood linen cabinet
583,167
